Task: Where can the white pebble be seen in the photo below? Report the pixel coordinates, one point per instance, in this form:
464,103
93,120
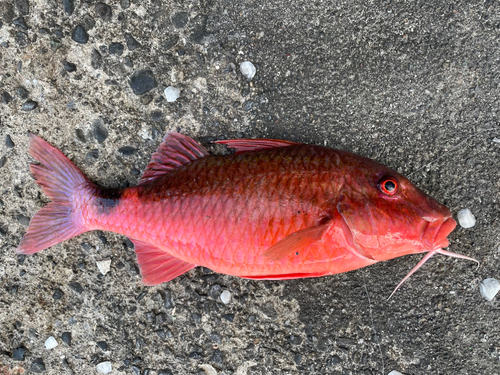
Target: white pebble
172,93
466,219
225,297
51,343
394,372
247,69
489,288
104,266
209,370
104,367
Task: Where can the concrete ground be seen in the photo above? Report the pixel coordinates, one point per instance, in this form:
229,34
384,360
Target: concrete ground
413,84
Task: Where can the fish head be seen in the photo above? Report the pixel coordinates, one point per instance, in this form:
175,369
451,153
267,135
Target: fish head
387,216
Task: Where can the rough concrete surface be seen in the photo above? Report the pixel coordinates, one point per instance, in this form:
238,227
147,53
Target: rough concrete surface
403,82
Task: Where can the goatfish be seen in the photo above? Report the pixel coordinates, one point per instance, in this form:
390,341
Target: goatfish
272,210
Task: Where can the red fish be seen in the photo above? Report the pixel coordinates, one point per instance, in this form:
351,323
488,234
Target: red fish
272,210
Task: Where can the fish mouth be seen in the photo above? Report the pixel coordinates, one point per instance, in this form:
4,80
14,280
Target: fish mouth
437,233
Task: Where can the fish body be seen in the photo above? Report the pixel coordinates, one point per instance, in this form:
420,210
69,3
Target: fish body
272,210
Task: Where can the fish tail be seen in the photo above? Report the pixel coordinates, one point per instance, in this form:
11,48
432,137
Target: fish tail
67,188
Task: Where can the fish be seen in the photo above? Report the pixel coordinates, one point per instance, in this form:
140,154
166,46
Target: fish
272,210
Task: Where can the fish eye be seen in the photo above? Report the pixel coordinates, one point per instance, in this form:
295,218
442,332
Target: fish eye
388,185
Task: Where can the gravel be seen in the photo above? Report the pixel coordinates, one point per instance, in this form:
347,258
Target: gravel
142,81
30,105
172,93
248,69
80,35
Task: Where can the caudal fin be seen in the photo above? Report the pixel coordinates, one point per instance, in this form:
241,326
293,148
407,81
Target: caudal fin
63,183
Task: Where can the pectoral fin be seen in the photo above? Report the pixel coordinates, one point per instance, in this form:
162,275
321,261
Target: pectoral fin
296,241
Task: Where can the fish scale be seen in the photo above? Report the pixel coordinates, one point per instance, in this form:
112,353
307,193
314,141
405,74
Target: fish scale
272,210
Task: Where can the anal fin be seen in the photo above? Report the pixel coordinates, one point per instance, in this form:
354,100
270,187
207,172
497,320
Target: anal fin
158,266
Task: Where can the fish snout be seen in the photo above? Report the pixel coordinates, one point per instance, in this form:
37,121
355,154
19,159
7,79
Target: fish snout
437,231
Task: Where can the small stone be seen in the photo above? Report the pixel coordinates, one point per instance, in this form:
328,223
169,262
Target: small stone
69,67
179,20
6,97
29,106
22,92
215,291
80,35
103,345
172,93
95,59
103,10
295,340
23,220
19,21
37,366
104,367
394,372
99,130
228,317
3,160
489,288
116,48
69,7
76,287
297,358
209,370
8,141
66,338
58,293
125,4
127,150
51,343
218,356
247,69
104,266
165,372
23,6
18,354
88,22
136,370
142,82
196,317
22,39
225,297
132,43
465,218
248,105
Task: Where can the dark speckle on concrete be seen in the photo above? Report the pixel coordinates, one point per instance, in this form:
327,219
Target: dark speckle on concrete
79,35
6,97
18,354
37,366
116,48
29,105
127,150
58,294
180,19
66,338
69,67
76,287
69,6
142,82
103,10
22,92
8,142
99,130
132,43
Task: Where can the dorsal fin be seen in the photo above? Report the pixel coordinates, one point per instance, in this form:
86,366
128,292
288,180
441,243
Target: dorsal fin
175,150
158,266
244,145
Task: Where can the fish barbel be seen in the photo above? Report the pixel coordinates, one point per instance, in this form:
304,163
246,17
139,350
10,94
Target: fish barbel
272,210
